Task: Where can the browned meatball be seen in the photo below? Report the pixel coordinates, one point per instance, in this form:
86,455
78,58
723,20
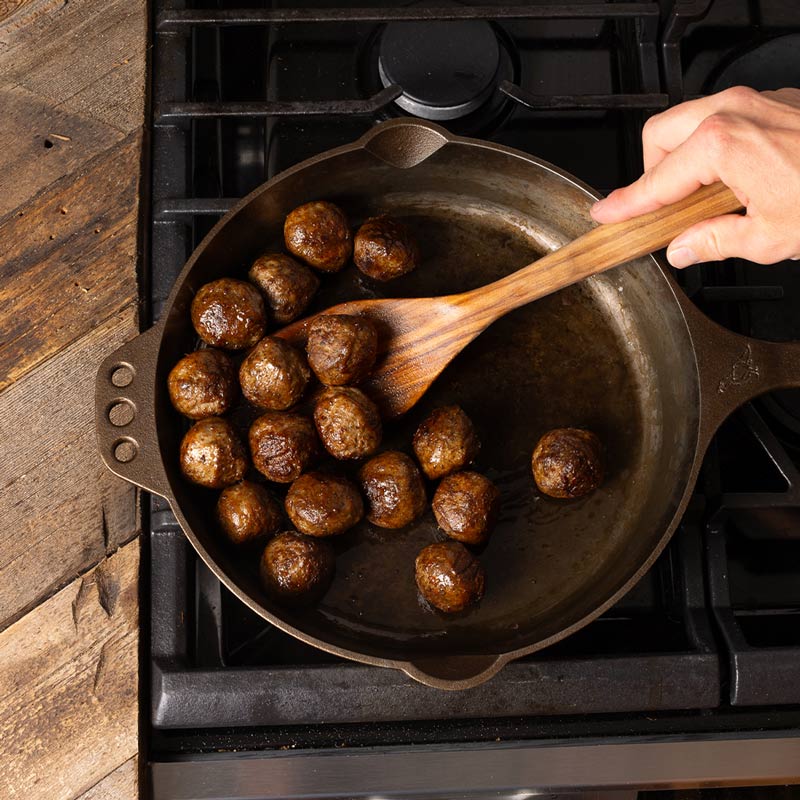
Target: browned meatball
319,233
247,512
287,285
212,454
385,249
283,445
295,569
348,422
466,506
321,504
342,348
568,463
449,577
203,384
229,313
394,490
274,375
445,442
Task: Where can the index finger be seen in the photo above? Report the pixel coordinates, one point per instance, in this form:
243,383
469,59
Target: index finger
677,175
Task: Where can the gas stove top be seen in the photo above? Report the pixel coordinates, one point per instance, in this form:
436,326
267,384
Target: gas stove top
705,651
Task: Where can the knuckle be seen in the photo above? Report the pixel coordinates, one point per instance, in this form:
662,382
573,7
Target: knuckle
742,96
649,128
717,132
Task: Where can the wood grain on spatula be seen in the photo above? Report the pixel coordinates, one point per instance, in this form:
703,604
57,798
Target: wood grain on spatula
420,336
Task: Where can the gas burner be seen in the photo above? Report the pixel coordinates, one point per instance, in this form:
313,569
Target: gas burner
446,69
770,65
449,72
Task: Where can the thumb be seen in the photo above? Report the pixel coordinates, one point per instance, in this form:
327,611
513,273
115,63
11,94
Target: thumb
712,240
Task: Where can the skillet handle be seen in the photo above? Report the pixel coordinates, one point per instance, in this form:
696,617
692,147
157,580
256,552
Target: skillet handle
125,413
734,368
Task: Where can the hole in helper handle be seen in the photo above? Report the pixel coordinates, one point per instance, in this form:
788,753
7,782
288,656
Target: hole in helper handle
734,369
125,413
404,143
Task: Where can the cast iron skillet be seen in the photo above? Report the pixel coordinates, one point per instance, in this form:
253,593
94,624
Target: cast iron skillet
624,354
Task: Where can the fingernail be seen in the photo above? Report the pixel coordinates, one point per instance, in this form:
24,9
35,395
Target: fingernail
598,206
682,257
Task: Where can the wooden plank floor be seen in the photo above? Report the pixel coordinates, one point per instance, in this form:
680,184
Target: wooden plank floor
72,89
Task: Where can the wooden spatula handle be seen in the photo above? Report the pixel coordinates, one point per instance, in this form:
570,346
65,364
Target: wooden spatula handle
602,248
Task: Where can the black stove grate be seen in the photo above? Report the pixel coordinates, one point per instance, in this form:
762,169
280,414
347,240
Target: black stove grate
217,665
242,93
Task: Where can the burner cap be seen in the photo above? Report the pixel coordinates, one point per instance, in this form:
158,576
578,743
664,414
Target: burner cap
771,65
446,69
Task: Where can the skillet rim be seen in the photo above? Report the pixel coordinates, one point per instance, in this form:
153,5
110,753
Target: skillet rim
460,671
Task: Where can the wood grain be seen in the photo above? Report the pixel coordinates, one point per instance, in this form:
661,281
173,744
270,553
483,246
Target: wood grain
70,260
73,68
72,90
42,144
78,48
61,510
122,783
16,14
68,691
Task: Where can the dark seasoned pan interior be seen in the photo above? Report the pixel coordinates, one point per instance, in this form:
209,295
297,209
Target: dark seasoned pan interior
612,355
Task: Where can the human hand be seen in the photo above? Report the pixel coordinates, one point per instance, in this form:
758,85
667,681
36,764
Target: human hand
748,140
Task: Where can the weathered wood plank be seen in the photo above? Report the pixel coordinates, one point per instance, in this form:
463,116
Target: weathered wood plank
60,509
74,69
42,144
72,89
19,16
77,47
16,15
69,260
68,685
10,7
121,784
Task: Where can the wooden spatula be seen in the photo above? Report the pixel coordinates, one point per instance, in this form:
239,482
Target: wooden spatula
420,336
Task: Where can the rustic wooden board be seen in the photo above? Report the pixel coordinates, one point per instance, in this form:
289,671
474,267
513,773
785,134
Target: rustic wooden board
61,510
42,144
69,687
70,260
73,73
81,55
72,90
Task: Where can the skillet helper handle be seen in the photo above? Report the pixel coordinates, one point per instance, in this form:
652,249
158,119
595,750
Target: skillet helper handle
125,413
734,368
603,247
453,672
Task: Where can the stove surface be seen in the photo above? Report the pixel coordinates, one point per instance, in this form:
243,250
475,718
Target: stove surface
708,644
